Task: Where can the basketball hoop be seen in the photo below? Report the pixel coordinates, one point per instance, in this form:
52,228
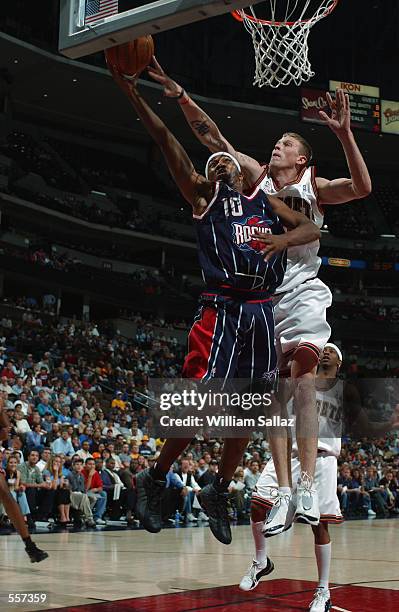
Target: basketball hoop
281,41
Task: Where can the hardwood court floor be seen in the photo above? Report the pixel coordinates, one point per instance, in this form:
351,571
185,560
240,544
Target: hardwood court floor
187,569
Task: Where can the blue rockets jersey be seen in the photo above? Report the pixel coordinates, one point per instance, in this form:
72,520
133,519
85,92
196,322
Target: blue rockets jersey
228,253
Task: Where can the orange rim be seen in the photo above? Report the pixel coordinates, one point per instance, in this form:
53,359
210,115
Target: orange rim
240,15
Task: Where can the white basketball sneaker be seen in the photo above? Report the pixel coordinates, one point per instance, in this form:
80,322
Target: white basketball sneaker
277,519
307,508
321,601
255,572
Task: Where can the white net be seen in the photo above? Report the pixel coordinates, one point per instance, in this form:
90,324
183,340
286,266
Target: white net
281,41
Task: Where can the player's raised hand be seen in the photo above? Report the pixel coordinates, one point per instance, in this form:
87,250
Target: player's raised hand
274,243
340,120
171,89
127,84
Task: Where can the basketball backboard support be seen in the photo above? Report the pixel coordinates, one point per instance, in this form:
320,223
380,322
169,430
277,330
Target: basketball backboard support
78,38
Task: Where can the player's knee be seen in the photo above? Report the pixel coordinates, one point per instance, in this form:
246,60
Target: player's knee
321,534
304,362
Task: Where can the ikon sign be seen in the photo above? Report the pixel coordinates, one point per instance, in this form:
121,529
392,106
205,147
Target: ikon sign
365,104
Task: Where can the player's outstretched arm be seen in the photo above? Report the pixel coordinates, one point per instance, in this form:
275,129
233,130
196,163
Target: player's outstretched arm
204,128
339,191
301,229
194,187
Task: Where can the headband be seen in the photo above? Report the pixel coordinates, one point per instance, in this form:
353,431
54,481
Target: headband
225,155
336,349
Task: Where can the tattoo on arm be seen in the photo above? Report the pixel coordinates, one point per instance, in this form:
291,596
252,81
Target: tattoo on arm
202,127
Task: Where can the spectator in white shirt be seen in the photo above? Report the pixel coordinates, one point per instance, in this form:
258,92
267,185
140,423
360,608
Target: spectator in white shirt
44,458
21,424
190,489
22,401
84,453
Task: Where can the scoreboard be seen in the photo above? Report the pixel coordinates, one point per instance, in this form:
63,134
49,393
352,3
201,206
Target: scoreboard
365,104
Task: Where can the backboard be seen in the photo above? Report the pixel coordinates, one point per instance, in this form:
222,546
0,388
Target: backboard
88,26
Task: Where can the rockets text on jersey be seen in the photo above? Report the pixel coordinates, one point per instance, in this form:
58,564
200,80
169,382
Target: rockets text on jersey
229,253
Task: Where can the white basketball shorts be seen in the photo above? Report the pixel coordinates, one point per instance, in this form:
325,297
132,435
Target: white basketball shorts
325,482
300,317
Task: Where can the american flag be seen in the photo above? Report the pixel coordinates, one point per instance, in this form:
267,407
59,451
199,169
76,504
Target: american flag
98,9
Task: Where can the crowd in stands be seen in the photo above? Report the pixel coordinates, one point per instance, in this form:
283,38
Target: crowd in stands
368,477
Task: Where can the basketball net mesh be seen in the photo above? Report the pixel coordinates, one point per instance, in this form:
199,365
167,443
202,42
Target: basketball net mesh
281,47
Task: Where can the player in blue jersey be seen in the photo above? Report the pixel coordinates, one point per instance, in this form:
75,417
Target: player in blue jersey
242,244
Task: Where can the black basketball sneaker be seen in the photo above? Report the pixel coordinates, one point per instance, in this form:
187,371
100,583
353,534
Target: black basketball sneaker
215,505
149,496
35,554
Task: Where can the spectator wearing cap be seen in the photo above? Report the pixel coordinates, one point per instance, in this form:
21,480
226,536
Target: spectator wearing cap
118,402
63,445
209,476
145,449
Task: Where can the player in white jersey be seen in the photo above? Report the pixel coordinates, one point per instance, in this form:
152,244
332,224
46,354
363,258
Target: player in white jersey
300,308
329,401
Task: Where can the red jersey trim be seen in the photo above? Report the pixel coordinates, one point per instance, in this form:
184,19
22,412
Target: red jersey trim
316,191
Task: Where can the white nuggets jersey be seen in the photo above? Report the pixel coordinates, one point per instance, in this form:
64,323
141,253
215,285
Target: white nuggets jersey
329,402
301,195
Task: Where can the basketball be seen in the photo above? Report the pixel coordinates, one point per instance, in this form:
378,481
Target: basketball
131,58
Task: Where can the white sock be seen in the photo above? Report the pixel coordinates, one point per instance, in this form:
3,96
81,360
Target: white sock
323,558
260,542
285,490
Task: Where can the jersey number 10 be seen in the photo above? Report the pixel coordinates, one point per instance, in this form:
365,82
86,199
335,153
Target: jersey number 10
232,207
